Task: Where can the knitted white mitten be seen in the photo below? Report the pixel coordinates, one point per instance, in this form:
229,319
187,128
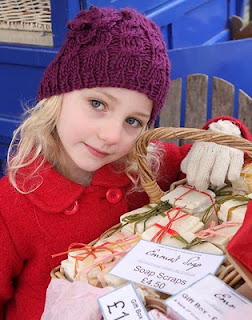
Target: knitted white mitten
208,162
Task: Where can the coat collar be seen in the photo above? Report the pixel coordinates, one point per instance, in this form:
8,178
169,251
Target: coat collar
56,193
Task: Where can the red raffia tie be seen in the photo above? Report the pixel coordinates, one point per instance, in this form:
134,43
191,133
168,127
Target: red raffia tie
112,258
190,189
88,250
212,230
167,228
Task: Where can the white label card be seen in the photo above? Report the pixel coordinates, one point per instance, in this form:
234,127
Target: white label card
164,268
207,299
122,303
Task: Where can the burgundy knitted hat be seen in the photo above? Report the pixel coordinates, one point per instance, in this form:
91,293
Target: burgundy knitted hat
110,48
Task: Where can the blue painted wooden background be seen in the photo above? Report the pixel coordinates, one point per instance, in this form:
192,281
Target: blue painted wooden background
200,24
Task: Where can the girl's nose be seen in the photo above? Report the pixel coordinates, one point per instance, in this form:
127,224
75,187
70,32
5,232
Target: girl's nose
110,132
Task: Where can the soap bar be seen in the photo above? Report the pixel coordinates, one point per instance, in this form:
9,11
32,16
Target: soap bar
206,247
229,212
177,221
140,226
189,199
244,183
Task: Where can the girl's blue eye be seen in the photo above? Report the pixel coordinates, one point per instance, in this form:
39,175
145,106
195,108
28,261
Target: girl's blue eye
133,122
97,104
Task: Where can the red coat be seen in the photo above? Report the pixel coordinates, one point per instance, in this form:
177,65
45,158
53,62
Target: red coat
240,246
36,225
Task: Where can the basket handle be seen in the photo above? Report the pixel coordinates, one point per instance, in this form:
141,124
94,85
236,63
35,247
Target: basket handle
148,180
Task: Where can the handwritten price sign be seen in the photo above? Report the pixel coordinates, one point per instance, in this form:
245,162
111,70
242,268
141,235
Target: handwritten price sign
123,303
164,268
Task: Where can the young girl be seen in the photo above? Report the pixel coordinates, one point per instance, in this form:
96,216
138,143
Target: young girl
69,177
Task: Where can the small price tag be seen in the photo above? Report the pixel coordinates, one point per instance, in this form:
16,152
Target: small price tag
164,268
207,299
122,303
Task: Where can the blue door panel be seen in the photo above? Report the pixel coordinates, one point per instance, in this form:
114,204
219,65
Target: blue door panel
197,26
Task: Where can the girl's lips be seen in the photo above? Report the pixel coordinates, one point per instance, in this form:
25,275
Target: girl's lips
96,152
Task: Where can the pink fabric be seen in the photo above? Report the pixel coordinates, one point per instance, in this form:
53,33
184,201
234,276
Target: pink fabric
71,300
157,315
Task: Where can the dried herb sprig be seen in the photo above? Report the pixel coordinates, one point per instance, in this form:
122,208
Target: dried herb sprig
223,191
160,208
194,242
222,200
178,237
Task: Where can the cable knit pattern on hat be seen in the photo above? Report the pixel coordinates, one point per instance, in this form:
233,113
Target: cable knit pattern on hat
110,48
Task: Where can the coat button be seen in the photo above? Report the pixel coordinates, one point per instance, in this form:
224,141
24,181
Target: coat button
72,209
114,195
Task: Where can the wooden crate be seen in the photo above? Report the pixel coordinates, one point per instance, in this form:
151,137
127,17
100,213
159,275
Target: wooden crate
26,22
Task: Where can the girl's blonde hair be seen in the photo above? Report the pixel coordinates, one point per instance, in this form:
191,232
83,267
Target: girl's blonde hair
37,135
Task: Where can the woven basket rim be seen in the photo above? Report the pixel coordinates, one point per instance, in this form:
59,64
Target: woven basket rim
148,180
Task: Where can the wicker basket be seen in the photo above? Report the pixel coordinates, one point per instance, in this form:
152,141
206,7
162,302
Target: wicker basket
148,180
26,21
227,273
151,300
